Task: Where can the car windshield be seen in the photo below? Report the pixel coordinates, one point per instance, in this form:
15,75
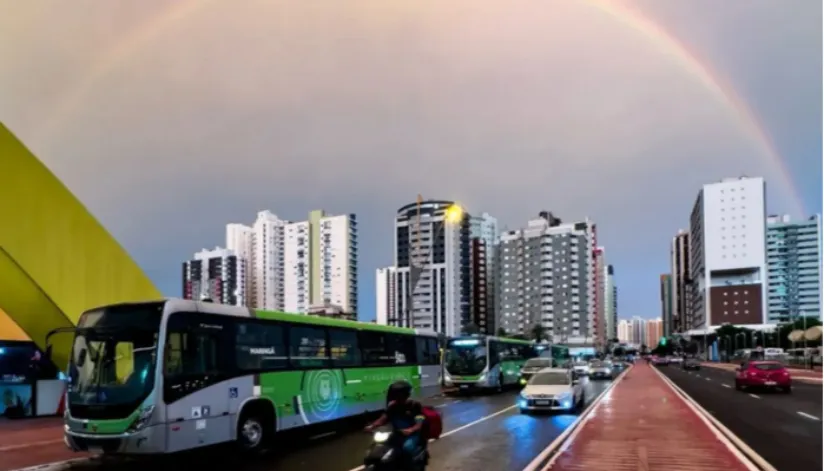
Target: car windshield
768,366
114,355
464,357
550,379
581,363
596,364
538,363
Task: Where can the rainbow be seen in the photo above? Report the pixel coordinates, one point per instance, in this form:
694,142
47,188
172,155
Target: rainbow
634,19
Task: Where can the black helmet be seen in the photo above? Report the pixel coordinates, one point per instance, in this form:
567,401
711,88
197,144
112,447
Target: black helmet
399,391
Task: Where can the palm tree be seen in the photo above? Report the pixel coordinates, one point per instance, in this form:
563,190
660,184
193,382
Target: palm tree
538,333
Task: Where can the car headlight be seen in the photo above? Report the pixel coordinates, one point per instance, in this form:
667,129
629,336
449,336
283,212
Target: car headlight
524,395
381,437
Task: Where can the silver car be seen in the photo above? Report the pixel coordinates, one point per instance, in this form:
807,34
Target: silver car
600,369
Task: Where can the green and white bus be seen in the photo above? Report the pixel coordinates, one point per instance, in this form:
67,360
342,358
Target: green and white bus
173,375
485,362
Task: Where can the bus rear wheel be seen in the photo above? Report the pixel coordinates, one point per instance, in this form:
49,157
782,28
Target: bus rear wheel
254,430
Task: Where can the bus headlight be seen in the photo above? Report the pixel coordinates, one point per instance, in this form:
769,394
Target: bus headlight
482,377
143,419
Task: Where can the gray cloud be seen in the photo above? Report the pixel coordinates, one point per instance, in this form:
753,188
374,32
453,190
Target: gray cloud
167,133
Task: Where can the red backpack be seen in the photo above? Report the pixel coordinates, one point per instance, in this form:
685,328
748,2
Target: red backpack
433,424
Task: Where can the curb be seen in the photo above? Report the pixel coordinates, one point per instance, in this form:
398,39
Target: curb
547,456
737,446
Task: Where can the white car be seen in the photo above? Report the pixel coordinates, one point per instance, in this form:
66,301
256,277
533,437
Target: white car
552,389
581,368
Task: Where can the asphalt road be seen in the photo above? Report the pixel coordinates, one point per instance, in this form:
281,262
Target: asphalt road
480,432
785,429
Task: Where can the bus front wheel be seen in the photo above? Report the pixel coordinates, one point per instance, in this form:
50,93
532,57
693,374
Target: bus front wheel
255,428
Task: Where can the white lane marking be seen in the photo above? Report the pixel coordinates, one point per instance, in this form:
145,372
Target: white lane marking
754,396
809,416
463,427
727,386
708,378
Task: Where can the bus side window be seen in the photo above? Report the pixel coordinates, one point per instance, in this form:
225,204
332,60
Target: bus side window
375,349
343,347
307,347
196,349
260,346
403,347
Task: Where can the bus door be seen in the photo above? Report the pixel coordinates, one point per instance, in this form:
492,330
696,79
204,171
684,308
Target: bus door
197,360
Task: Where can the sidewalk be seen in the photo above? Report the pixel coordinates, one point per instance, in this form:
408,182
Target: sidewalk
643,425
31,442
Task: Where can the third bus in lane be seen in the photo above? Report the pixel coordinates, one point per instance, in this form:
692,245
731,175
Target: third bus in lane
785,429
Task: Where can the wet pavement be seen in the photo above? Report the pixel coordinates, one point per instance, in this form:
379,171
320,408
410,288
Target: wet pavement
480,432
785,429
29,442
642,424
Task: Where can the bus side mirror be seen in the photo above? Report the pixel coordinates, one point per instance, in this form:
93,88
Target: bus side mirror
48,352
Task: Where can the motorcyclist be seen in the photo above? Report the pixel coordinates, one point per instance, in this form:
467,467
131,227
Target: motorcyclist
405,416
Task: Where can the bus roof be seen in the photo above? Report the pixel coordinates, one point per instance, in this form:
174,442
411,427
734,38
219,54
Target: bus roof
240,311
331,322
499,339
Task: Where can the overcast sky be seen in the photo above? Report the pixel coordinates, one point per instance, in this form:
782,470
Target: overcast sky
171,118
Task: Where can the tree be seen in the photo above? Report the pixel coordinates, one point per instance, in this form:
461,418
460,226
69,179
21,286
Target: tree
471,329
644,349
538,332
501,332
619,352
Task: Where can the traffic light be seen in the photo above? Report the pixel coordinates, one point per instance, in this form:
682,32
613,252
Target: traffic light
663,342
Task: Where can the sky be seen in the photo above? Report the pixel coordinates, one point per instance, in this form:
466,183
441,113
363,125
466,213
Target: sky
171,118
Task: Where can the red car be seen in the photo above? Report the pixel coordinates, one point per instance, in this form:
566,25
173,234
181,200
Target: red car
763,374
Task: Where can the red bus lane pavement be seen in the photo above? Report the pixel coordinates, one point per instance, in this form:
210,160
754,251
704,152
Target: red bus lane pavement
31,442
643,424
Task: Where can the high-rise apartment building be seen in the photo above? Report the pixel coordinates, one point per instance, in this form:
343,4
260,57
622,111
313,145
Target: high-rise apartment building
432,267
624,331
479,297
485,237
600,337
794,268
654,332
611,304
219,275
295,266
385,297
728,265
681,285
638,330
548,277
320,261
665,282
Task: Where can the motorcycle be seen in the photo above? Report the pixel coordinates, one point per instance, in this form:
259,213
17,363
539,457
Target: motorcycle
385,454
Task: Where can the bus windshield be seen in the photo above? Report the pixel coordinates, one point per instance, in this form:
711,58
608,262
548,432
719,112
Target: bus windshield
465,357
114,355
